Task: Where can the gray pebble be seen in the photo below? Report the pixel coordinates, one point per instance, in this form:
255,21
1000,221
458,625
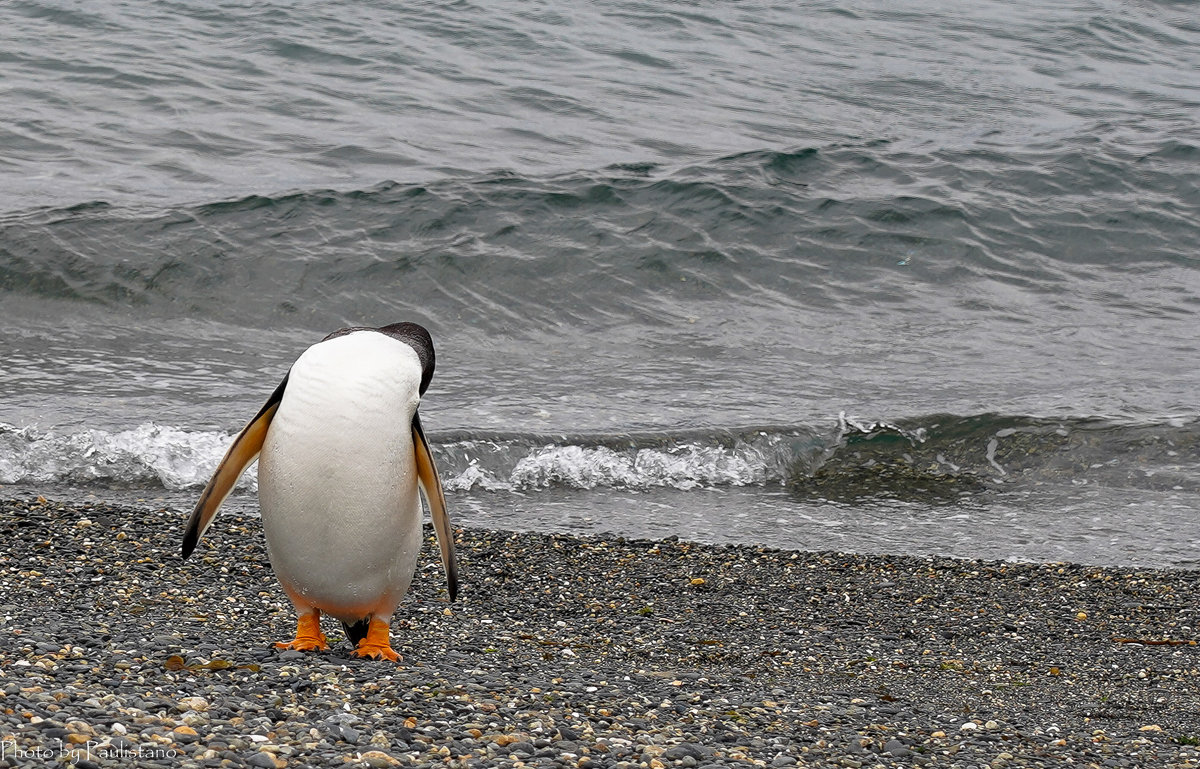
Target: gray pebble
684,750
263,760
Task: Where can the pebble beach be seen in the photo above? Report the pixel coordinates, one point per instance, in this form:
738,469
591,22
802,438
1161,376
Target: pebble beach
584,652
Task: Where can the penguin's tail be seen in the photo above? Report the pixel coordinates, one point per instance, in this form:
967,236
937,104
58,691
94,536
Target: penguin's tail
358,630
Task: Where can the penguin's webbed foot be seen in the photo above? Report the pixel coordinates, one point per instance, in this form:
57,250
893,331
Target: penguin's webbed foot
376,644
308,634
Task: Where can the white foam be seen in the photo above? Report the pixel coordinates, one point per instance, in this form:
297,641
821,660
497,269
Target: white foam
684,466
163,456
147,455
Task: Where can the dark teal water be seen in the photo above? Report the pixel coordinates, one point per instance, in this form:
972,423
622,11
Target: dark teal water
792,274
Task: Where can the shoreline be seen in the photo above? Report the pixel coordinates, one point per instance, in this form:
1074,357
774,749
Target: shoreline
587,652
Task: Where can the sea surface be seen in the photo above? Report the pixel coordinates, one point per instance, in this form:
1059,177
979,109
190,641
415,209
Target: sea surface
862,276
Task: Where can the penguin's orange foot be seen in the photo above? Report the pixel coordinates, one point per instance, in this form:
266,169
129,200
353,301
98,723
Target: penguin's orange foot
308,635
376,644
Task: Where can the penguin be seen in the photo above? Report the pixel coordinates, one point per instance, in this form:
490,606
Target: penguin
342,464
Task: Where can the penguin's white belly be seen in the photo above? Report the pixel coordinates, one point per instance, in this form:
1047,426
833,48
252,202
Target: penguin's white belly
338,480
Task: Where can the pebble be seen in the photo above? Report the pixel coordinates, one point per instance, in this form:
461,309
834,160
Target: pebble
550,657
264,760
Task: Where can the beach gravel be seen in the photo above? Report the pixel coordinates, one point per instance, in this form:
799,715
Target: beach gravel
585,652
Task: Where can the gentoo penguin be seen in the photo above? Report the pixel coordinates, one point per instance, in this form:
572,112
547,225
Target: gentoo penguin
341,457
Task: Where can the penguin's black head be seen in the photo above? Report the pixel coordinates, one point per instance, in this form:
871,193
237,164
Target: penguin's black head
416,337
413,335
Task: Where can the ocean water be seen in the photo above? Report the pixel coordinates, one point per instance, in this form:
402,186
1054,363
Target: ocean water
862,276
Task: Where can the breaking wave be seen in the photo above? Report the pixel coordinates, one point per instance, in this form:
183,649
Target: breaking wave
932,457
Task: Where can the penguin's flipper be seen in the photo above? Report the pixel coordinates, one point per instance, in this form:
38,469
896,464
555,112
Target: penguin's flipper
245,449
431,487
